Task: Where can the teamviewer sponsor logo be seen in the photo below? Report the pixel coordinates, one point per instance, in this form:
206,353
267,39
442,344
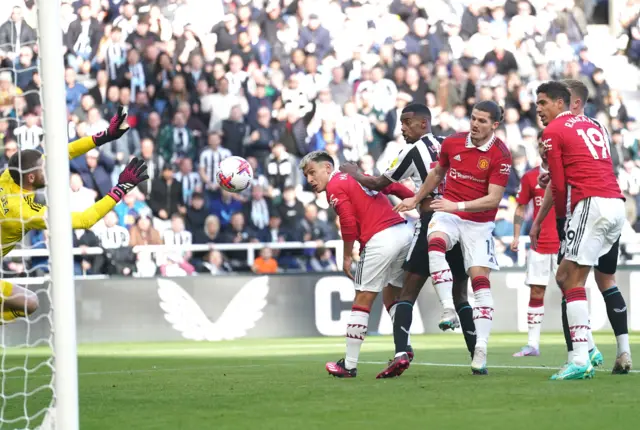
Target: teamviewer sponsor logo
505,169
454,174
241,314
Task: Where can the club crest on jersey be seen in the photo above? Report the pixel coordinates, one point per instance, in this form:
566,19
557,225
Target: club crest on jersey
483,163
333,202
393,163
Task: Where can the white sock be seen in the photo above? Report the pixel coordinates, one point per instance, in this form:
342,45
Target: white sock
590,342
356,331
441,272
623,344
392,314
535,314
570,357
483,310
578,317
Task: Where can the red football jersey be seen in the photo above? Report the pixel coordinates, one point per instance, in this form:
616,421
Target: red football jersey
363,212
548,242
472,169
579,161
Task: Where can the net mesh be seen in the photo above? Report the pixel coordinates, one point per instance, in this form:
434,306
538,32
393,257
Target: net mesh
27,359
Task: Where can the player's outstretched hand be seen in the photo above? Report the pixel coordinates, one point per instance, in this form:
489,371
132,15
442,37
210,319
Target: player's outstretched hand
444,205
132,175
534,233
349,168
515,244
406,205
346,266
118,126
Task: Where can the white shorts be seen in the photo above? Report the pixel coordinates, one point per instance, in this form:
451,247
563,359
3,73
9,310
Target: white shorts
540,268
596,223
382,258
476,239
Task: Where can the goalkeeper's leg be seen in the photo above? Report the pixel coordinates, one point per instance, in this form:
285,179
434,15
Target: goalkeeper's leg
16,302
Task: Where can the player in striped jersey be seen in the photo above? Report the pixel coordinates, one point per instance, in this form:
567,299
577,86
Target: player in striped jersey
415,161
604,272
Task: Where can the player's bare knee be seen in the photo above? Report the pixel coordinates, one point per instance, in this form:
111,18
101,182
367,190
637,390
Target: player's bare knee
31,302
604,280
477,271
365,298
411,287
537,292
390,295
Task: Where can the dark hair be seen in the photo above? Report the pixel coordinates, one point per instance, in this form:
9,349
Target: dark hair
555,91
578,89
316,157
22,163
418,109
496,113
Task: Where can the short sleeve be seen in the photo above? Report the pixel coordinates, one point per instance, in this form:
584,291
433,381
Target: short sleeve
501,170
524,191
402,166
443,159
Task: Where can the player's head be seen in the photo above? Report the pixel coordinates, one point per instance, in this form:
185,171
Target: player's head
27,169
553,98
485,119
415,122
542,149
579,95
317,167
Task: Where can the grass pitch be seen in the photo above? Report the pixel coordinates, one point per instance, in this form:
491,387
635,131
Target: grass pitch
281,384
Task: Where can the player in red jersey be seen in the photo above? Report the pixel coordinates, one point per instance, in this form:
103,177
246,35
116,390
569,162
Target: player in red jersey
542,260
478,166
384,236
593,204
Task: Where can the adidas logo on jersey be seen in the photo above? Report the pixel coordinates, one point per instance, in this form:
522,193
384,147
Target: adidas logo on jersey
457,158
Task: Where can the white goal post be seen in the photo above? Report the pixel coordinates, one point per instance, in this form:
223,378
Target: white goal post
65,402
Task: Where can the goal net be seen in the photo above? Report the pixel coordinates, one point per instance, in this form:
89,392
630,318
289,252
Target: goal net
27,362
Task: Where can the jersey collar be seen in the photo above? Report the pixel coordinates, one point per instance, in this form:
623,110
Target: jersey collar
565,113
484,148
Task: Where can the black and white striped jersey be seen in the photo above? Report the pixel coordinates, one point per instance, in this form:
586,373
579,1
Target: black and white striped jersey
415,161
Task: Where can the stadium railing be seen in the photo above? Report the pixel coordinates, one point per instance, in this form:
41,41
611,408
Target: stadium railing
253,248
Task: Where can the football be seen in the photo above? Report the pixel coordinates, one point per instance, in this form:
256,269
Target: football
234,174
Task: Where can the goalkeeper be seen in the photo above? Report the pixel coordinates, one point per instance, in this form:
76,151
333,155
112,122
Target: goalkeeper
19,213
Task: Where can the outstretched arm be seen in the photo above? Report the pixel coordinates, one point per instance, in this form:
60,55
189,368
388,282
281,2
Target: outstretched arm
118,126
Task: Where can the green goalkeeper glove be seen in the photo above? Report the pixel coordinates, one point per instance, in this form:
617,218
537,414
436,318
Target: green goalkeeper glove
131,176
118,126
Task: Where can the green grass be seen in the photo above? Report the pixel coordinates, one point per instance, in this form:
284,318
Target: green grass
281,384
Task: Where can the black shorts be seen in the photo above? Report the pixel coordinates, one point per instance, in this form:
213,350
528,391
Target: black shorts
607,264
418,257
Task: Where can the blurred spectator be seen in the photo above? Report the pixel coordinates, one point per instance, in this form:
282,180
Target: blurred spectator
323,261
190,180
81,196
112,235
282,169
210,232
313,228
30,134
235,131
197,213
15,33
95,170
215,263
133,208
74,90
25,67
225,205
291,210
165,199
257,210
265,263
83,39
176,141
237,232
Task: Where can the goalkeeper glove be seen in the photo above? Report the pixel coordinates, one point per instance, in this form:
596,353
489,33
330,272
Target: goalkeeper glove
560,222
132,175
118,126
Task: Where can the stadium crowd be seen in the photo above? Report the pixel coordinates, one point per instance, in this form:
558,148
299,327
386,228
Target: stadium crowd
273,80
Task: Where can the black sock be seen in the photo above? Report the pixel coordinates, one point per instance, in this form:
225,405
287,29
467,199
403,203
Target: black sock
616,310
565,326
465,313
402,325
